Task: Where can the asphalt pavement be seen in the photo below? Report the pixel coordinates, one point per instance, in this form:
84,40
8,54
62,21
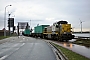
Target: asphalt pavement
25,48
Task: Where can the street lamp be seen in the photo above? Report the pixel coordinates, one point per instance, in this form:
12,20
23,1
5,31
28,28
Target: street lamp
5,21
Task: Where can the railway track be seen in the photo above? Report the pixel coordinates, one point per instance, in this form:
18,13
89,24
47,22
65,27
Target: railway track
58,53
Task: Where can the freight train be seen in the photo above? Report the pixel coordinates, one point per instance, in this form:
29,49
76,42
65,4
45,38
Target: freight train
60,30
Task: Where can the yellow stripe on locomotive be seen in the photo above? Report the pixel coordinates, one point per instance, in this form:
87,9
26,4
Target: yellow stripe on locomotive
65,28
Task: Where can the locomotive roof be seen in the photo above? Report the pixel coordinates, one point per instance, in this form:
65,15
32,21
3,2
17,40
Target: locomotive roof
62,22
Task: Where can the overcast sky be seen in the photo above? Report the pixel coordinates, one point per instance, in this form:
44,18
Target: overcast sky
47,12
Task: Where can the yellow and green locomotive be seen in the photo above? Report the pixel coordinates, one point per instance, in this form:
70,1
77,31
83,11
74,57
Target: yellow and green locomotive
60,30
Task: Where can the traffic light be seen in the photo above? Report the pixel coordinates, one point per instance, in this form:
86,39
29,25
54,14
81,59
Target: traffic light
10,22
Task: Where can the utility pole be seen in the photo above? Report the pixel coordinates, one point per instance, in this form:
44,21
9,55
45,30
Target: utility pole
10,24
18,29
30,23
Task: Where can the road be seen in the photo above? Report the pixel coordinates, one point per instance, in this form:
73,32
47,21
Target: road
25,48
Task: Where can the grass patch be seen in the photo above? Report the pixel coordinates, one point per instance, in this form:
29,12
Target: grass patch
70,54
84,42
2,37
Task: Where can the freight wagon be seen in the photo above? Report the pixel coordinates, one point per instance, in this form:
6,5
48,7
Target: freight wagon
38,31
26,32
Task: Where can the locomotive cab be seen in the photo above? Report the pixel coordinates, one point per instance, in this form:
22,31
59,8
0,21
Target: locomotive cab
62,30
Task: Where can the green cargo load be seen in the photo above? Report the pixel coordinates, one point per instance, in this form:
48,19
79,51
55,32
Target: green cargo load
39,29
27,31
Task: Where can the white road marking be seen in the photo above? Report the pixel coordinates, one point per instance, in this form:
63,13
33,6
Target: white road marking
15,45
2,58
22,40
5,50
23,44
17,48
9,48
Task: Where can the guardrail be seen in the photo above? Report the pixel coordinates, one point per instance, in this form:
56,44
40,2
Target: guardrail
59,53
81,37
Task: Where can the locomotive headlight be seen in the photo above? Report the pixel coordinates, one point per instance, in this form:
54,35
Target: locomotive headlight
64,32
66,25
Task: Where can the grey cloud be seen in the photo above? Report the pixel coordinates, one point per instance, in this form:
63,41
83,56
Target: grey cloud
70,10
